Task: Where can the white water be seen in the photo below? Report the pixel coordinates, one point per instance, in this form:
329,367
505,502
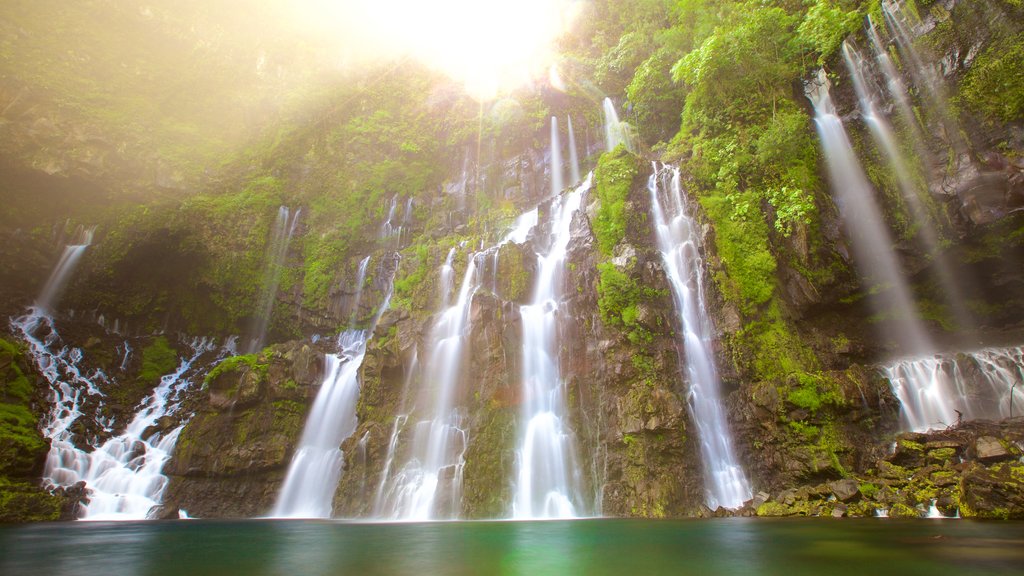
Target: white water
428,483
547,478
522,227
884,138
897,90
277,250
986,383
574,158
318,462
615,131
316,467
557,180
357,299
870,238
447,278
679,244
124,474
61,274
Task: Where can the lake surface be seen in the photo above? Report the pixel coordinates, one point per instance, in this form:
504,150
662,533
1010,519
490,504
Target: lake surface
789,547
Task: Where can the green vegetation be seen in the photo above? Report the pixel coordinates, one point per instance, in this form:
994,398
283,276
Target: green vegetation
616,173
236,364
22,447
620,297
994,85
158,359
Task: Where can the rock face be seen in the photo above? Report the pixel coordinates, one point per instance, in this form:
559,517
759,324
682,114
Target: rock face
232,456
944,469
22,448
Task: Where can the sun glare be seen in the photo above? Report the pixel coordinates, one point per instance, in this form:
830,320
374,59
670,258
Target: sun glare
491,46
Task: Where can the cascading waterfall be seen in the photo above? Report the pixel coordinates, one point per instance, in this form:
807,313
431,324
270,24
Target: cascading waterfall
987,383
574,158
62,271
886,141
615,132
547,478
679,244
556,158
428,485
872,243
357,299
897,90
124,474
316,467
277,250
318,462
931,389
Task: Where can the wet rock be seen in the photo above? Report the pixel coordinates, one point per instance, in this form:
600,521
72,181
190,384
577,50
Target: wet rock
845,490
993,492
990,449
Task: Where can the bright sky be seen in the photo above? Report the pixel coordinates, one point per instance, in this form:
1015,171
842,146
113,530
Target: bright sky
489,45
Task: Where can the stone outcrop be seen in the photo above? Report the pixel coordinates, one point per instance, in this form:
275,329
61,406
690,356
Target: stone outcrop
973,470
231,458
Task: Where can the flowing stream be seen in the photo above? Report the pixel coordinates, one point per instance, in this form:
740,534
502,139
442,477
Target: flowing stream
679,244
124,474
547,478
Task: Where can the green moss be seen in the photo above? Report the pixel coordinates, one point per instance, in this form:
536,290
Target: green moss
773,509
236,364
158,359
900,510
24,502
748,278
868,490
994,85
613,179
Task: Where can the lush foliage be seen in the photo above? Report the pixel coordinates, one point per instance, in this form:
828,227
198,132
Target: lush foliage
615,174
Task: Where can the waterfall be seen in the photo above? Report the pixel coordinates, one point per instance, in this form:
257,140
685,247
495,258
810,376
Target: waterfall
61,274
428,485
897,89
547,478
277,250
615,132
522,227
124,474
316,467
574,158
447,278
318,462
987,383
557,183
357,299
862,218
679,244
884,138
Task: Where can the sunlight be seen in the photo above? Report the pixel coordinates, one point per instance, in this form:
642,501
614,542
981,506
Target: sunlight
491,46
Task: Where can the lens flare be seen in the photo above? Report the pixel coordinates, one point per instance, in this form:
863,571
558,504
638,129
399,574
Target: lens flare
491,46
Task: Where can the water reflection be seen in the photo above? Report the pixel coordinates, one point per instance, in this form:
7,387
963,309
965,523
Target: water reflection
757,547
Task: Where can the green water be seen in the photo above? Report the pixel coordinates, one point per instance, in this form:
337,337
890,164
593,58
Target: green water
631,547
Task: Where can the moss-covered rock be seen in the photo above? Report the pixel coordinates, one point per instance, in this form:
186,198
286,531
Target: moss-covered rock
232,455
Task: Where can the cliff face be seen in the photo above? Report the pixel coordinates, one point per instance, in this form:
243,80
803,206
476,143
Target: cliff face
406,172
